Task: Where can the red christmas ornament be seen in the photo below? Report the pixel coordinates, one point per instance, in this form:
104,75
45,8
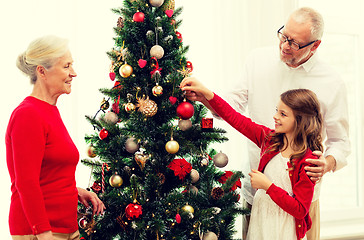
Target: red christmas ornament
96,187
172,100
189,65
142,63
133,211
180,167
169,12
115,106
178,218
157,69
228,175
185,110
103,134
207,123
138,17
112,76
118,85
179,36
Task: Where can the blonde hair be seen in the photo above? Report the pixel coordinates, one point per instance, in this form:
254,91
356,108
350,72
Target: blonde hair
43,51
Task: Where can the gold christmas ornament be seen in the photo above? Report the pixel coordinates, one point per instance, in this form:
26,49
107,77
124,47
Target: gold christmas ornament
116,181
104,104
125,70
188,209
141,158
170,6
91,151
157,90
172,146
146,106
157,51
129,107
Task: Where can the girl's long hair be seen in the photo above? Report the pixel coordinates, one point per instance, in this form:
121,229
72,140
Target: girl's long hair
308,123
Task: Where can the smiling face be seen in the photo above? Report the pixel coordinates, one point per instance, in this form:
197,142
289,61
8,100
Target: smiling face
300,33
284,119
58,78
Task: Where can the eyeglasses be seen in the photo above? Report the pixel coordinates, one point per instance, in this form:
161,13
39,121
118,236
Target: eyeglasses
295,46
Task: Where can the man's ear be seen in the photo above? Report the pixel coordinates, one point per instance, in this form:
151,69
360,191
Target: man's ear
316,45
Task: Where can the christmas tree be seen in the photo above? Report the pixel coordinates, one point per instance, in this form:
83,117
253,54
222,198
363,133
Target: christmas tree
150,154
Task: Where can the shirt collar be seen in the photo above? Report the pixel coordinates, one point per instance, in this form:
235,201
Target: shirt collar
308,65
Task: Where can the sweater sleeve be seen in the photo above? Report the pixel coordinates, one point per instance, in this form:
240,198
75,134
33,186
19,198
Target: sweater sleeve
297,205
253,131
28,139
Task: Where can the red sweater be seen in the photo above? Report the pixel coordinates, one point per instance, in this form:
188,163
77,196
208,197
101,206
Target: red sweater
42,160
299,204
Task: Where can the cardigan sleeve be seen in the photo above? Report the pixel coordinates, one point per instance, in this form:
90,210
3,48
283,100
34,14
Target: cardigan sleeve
297,205
253,131
28,140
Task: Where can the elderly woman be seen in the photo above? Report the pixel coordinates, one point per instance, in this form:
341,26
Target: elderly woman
41,155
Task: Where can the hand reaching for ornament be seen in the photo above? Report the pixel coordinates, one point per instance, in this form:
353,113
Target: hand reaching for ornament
85,197
259,180
195,91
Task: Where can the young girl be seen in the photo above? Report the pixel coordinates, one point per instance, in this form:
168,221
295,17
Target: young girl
281,204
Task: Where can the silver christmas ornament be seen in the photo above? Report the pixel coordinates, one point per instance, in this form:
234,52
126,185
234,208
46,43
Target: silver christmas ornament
131,145
220,160
156,3
209,236
184,124
157,51
111,117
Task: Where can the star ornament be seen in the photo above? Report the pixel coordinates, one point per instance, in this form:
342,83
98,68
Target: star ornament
185,72
180,167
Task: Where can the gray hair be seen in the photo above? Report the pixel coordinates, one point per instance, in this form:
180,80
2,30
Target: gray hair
43,51
306,14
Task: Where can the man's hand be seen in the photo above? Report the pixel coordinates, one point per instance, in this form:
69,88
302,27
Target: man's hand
322,166
259,180
85,197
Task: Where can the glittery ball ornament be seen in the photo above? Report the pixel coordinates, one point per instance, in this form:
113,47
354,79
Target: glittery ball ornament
146,106
157,51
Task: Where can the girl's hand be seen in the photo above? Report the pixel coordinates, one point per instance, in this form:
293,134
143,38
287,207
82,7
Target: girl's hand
195,90
85,197
259,180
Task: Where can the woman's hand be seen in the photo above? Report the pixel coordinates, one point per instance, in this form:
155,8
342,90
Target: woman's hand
45,236
195,91
85,197
259,180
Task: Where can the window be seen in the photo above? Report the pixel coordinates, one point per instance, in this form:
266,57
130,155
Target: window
341,198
